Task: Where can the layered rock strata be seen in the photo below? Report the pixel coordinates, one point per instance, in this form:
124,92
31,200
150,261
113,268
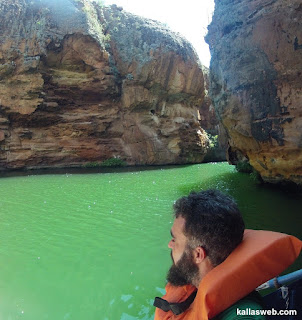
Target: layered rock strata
256,83
82,83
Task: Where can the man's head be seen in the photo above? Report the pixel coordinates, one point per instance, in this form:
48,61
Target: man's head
208,226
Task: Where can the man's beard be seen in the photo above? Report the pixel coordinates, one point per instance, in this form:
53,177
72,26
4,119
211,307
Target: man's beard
185,271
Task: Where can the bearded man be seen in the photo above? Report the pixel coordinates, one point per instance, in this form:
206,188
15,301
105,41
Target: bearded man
208,226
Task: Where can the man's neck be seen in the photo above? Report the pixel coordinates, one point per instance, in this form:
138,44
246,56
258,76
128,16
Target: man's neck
205,267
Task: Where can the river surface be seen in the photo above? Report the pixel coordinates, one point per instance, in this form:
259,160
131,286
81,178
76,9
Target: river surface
94,246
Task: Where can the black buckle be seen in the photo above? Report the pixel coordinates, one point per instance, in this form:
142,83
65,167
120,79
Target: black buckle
176,308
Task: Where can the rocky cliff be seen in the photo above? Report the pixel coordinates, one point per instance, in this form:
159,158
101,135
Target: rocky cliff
82,83
256,83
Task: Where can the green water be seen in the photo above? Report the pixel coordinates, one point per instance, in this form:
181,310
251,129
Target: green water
94,246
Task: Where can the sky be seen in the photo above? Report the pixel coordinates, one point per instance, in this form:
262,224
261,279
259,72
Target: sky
188,17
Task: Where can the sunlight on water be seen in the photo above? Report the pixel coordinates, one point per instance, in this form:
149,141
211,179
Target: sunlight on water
94,246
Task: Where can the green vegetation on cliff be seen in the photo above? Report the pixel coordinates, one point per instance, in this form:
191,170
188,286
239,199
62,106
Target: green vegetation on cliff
111,162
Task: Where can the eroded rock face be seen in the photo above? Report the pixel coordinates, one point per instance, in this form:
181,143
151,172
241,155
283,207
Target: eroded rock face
256,83
81,83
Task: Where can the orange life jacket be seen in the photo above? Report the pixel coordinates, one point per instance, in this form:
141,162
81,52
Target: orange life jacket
262,255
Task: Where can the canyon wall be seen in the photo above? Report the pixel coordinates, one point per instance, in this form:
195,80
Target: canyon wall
209,121
81,83
256,83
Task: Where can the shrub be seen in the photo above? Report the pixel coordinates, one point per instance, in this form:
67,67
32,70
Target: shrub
113,162
213,140
256,176
91,165
244,166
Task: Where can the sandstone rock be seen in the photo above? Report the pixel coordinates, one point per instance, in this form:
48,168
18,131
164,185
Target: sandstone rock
256,83
82,83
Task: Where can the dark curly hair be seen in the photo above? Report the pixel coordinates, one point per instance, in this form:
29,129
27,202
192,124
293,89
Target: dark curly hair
212,221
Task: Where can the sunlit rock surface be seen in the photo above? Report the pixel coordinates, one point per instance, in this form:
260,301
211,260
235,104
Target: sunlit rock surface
82,83
256,83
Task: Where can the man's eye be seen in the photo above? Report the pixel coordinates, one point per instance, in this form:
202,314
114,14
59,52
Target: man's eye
173,240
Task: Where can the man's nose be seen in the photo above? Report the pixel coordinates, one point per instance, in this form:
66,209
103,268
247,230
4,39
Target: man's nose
170,244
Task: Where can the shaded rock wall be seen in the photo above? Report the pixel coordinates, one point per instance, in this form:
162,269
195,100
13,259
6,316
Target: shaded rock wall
82,83
256,83
209,121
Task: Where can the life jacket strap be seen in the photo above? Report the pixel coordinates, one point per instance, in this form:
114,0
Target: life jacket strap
176,308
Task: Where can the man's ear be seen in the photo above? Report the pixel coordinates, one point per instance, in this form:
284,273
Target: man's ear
199,254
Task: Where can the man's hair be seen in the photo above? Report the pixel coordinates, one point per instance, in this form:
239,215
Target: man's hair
212,221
